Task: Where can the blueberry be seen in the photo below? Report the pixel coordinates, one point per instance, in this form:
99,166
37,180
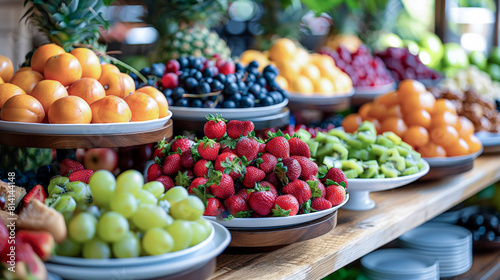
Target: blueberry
183,76
183,62
267,101
242,85
136,83
183,102
231,88
269,76
167,92
191,84
236,97
30,174
207,80
229,104
285,93
133,75
217,85
208,104
244,92
177,93
195,74
261,95
203,88
158,69
238,67
209,71
253,64
145,71
261,81
170,101
32,183
271,68
231,78
255,89
276,96
221,78
251,96
44,173
250,78
239,75
247,102
254,71
264,90
196,103
17,172
196,64
151,82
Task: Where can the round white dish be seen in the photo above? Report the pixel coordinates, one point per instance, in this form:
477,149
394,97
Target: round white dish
318,99
273,222
398,262
84,129
189,113
359,189
133,261
372,92
221,240
437,235
488,139
451,161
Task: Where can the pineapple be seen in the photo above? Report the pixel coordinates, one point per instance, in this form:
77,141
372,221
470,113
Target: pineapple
184,27
68,22
24,159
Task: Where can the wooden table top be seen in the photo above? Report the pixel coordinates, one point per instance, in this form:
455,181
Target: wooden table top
359,233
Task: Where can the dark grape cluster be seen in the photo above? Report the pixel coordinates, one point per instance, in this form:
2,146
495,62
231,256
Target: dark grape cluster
30,178
206,83
405,65
364,69
484,224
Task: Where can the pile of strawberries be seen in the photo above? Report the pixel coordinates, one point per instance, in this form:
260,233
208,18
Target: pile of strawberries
233,171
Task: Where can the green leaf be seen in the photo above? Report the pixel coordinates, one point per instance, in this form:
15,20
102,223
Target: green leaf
108,2
280,212
243,214
315,191
306,207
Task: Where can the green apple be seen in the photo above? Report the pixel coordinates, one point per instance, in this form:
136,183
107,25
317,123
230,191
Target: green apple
494,56
412,46
454,56
494,71
433,45
479,59
386,40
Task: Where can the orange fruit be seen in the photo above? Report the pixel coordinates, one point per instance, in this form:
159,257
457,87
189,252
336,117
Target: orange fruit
431,150
289,69
312,72
91,66
445,135
364,110
302,84
119,84
393,112
442,105
128,83
22,108
395,125
26,80
378,111
444,118
473,142
70,109
106,68
459,148
1,81
42,54
388,99
7,90
351,123
418,117
416,136
427,101
24,69
158,97
48,91
282,49
6,68
464,127
143,107
64,68
409,88
87,88
110,109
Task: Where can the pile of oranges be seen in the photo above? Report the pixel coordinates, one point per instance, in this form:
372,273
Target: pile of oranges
430,126
74,88
301,72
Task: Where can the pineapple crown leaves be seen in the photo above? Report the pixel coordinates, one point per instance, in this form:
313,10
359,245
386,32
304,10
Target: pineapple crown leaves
280,212
217,118
315,191
235,165
182,179
331,182
280,171
228,142
306,207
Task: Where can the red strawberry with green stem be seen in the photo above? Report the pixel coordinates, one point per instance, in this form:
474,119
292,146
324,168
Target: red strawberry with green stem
171,164
197,182
278,145
237,206
247,147
335,193
202,167
252,176
235,129
208,149
337,176
81,175
187,159
288,170
154,171
285,205
245,193
229,163
274,180
266,162
167,182
215,127
309,167
317,189
262,201
266,184
299,189
182,143
221,184
67,166
299,147
214,207
161,149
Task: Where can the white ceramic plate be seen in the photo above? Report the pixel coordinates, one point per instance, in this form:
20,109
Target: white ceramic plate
437,235
451,161
488,139
318,99
188,113
398,261
372,92
132,261
221,240
84,129
272,222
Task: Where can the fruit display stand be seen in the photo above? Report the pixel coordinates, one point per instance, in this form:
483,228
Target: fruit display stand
359,233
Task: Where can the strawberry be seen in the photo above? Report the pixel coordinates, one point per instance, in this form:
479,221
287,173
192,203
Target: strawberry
68,165
236,129
299,147
154,171
215,128
200,181
245,193
262,148
37,192
285,205
208,149
187,159
167,182
319,203
262,201
335,194
278,146
299,189
252,176
230,164
161,149
288,170
201,167
182,143
221,185
247,147
171,164
336,175
272,189
309,167
237,206
81,175
274,180
226,149
266,162
317,188
214,207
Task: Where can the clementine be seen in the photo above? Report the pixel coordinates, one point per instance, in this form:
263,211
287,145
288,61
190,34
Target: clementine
22,108
87,88
48,91
7,90
106,68
64,68
119,84
110,109
26,80
70,109
158,97
6,68
143,107
1,81
91,66
42,54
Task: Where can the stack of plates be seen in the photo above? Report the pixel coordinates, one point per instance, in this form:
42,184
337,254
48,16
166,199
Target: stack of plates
396,264
450,244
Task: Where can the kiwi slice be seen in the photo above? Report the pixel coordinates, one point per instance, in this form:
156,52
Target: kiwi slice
420,164
304,135
321,137
410,161
332,162
392,152
354,143
397,162
370,172
370,163
351,174
402,150
410,171
368,127
364,154
406,145
338,133
377,150
384,141
379,176
332,139
389,171
352,164
416,155
313,146
354,154
393,137
367,137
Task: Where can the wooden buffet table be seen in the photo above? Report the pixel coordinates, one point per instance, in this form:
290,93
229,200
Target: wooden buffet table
359,233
